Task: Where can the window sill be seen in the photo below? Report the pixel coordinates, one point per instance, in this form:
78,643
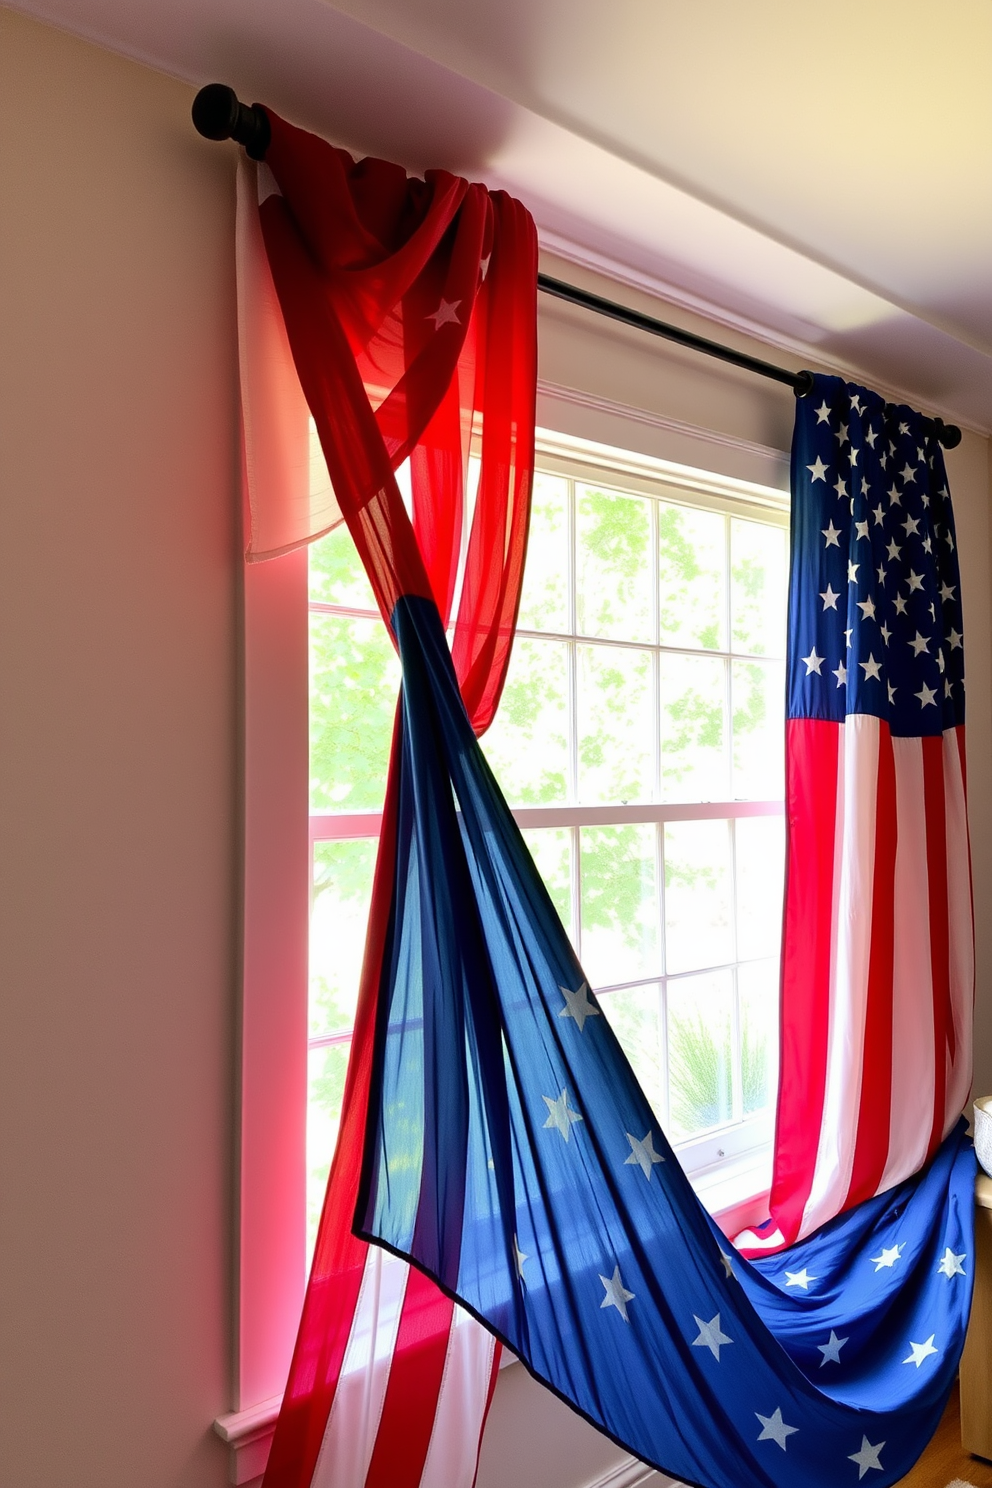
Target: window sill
735,1191
248,1435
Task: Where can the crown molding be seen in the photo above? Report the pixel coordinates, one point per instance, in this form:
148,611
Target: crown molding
807,353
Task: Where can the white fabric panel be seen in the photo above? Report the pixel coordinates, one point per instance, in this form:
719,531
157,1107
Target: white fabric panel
454,1449
912,982
961,929
853,878
287,506
346,1451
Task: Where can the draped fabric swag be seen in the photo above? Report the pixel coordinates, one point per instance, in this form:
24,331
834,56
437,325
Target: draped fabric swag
410,310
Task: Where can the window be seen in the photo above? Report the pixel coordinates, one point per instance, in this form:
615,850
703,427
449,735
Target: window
639,743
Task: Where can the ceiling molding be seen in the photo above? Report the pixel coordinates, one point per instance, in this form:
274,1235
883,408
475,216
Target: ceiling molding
806,353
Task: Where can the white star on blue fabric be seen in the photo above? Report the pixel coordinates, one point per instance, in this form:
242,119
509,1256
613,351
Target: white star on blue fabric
822,413
800,1279
840,672
643,1154
926,695
829,598
872,669
710,1336
950,1264
890,1254
773,1428
578,1005
616,1294
831,1349
921,1351
867,608
920,643
818,470
867,1457
560,1115
520,1256
831,533
813,662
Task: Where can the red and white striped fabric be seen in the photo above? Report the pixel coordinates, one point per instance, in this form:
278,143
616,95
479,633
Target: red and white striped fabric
415,1384
881,977
409,307
878,950
391,1381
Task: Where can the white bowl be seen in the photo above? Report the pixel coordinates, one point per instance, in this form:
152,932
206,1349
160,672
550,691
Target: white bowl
983,1132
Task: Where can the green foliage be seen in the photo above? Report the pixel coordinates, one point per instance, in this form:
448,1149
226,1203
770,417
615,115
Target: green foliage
618,881
614,575
699,1064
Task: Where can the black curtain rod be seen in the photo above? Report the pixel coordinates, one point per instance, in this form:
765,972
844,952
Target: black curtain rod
219,114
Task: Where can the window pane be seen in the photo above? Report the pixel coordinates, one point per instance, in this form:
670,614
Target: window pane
760,853
527,746
757,588
698,908
615,722
694,764
635,1015
758,696
339,910
544,602
613,576
693,598
326,1069
336,572
757,988
620,939
699,1057
551,849
354,679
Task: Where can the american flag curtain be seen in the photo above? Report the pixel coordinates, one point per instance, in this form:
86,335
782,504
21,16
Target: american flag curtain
410,307
493,1132
878,959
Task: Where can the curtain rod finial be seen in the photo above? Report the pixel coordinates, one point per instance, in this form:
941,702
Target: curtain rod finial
219,114
803,384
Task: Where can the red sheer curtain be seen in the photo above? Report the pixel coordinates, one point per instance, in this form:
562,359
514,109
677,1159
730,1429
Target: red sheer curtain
410,307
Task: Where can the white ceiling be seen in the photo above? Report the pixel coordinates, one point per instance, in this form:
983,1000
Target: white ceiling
824,172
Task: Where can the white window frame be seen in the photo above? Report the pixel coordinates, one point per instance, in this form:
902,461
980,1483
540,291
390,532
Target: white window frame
729,1164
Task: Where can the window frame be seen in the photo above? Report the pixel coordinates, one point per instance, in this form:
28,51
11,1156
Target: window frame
729,1159
270,1075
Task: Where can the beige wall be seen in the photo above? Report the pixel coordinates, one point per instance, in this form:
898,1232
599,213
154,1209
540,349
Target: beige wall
117,772
118,750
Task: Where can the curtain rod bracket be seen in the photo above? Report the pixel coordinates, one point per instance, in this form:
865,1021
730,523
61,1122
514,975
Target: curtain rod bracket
219,114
